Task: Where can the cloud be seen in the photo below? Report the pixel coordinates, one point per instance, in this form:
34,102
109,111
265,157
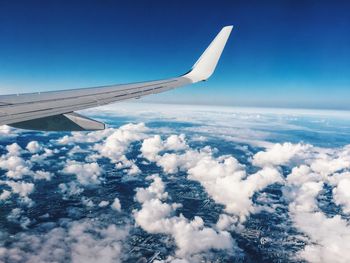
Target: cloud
5,195
117,143
17,166
223,178
81,137
133,170
79,241
152,146
329,161
87,201
90,249
4,130
21,188
129,165
17,216
171,162
176,142
156,190
110,143
7,132
12,162
228,183
225,222
116,204
341,193
76,150
253,126
42,175
103,203
13,149
281,154
33,147
313,169
330,236
156,216
18,170
70,189
40,158
86,173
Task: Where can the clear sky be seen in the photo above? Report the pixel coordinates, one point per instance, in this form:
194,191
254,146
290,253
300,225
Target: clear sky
281,53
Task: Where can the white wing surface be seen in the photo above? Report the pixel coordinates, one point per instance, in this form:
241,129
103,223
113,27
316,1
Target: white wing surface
55,110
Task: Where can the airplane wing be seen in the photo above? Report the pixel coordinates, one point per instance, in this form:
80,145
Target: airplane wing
55,110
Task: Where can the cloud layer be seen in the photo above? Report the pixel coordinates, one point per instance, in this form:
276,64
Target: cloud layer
97,180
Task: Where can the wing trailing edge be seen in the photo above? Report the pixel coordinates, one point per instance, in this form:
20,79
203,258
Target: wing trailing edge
62,122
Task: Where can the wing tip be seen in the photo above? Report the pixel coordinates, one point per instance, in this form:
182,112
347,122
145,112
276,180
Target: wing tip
206,64
228,27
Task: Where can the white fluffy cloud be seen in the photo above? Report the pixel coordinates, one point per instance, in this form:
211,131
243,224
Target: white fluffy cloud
330,236
42,175
152,146
103,203
313,168
156,216
113,144
5,194
80,241
117,143
12,162
17,166
110,143
156,190
41,156
281,154
116,204
20,188
81,137
329,161
8,132
223,178
33,147
227,182
4,129
341,193
86,173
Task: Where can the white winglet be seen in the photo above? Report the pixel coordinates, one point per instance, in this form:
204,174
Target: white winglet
205,65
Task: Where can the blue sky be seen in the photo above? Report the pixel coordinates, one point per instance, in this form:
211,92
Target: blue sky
281,53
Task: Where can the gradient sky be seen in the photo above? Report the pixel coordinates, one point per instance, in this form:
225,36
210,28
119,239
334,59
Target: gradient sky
281,53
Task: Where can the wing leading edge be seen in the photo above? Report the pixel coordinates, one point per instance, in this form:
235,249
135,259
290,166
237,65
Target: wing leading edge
54,110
